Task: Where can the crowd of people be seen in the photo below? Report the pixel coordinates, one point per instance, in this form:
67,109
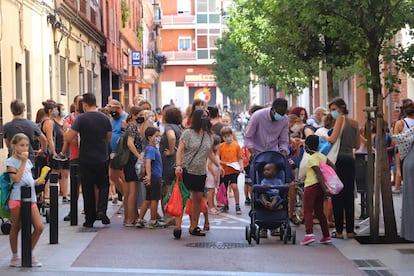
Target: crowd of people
198,146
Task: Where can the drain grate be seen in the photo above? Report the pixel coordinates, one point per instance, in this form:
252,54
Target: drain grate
368,263
373,267
406,250
218,245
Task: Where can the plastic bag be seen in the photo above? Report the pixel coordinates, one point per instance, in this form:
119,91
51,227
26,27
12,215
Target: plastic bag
185,194
221,196
189,206
174,206
332,181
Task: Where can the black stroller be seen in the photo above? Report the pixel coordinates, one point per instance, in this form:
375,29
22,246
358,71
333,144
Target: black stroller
262,217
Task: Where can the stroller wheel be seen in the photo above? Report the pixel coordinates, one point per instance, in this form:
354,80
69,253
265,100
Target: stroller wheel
281,232
285,237
6,227
248,234
294,237
257,235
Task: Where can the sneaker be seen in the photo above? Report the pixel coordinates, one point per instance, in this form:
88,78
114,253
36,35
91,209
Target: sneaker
238,210
295,220
247,201
396,191
308,239
132,224
60,157
140,223
67,217
103,217
35,262
65,200
15,262
275,232
115,200
326,240
120,210
263,233
213,211
156,224
225,208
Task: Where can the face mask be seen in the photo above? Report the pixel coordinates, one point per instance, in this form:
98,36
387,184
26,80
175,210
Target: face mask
140,120
115,115
335,114
205,122
151,119
157,140
302,117
64,114
295,128
277,116
228,139
55,113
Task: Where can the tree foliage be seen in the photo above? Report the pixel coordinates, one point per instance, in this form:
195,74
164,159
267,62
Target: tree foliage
231,70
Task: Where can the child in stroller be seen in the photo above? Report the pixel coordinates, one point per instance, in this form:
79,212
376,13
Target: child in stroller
270,198
269,208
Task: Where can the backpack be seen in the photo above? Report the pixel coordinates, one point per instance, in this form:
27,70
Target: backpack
122,153
6,186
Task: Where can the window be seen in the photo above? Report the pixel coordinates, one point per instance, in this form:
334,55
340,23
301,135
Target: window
90,82
184,43
28,87
62,72
183,6
202,6
81,80
202,42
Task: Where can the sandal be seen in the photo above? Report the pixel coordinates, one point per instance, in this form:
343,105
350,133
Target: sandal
197,232
336,235
206,227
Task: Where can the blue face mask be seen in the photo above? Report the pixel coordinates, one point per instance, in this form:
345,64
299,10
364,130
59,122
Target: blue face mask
278,117
335,114
64,114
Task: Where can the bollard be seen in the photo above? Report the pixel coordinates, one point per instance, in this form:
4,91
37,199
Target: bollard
53,237
26,224
74,190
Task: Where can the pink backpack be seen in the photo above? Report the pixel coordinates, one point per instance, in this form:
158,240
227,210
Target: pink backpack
332,181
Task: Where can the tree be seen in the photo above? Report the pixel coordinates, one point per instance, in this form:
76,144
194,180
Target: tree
286,38
231,70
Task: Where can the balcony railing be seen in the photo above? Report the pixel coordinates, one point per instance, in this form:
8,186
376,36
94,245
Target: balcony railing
178,20
180,55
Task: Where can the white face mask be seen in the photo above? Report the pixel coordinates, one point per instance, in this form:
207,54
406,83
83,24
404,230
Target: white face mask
228,139
157,140
295,128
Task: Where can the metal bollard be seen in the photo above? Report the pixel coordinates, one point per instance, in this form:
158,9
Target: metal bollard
53,237
26,223
74,190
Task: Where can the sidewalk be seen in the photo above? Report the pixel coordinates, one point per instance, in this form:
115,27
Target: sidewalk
115,249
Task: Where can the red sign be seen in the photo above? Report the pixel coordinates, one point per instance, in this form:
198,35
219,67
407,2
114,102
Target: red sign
201,84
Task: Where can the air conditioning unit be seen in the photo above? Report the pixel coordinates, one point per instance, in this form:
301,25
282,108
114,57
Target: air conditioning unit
80,49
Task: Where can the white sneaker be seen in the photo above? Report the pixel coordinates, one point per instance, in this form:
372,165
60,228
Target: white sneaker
213,211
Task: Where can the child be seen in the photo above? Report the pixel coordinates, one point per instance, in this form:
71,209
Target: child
213,178
19,167
270,199
247,180
315,191
152,179
232,161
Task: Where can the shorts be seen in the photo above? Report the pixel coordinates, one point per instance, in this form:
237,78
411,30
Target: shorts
153,192
59,165
129,169
13,204
229,179
194,183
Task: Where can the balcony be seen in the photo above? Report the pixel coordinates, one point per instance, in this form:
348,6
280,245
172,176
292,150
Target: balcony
180,55
178,21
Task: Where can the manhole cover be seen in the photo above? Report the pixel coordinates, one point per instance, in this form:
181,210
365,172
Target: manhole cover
218,245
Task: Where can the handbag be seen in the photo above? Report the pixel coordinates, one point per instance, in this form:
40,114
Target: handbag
122,153
221,196
333,152
404,141
332,181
